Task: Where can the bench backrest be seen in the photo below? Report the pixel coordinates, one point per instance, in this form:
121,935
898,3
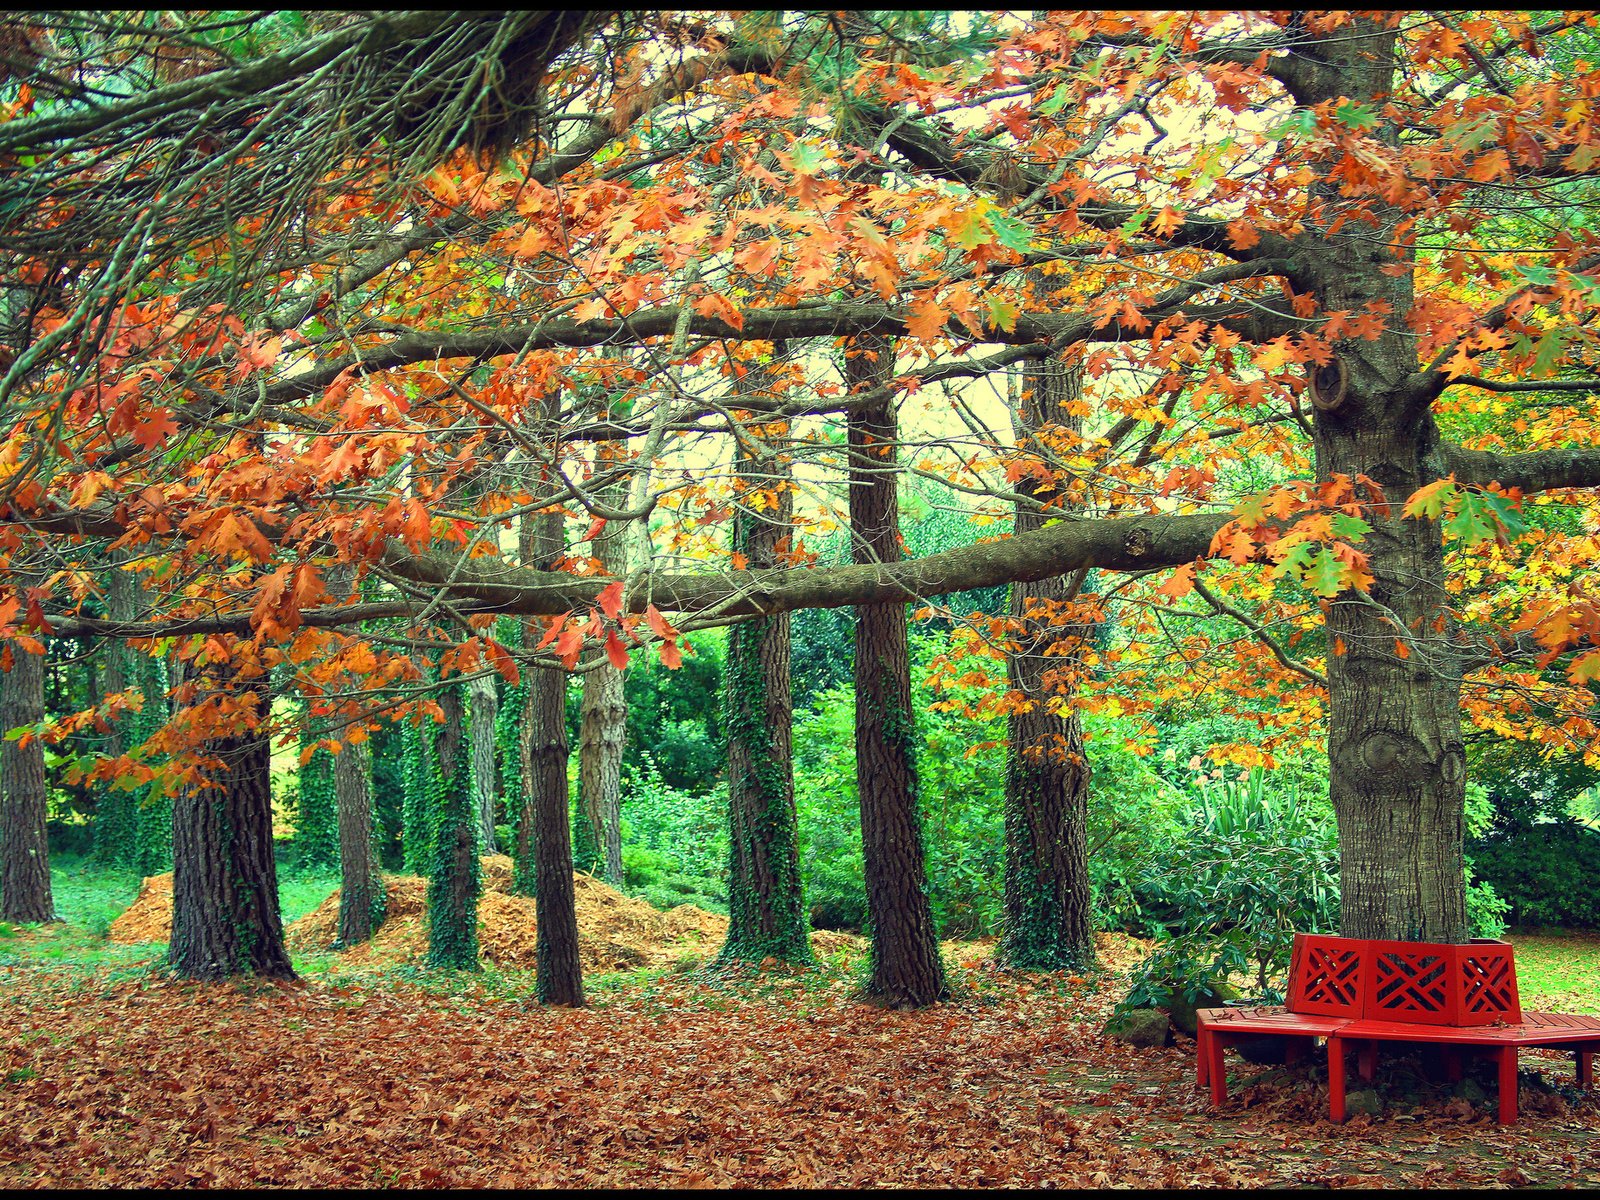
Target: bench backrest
1425,983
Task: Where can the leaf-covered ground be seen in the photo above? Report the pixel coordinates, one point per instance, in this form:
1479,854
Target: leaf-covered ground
114,1076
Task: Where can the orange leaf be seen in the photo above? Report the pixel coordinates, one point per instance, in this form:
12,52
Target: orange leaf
1401,649
610,600
671,656
616,651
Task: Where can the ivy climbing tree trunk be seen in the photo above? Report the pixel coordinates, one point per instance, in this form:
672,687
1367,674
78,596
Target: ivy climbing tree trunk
455,881
153,812
25,893
485,772
1048,923
115,808
316,830
906,972
544,834
225,918
766,903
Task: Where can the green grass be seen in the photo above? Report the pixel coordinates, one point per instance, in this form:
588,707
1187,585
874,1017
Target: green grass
1559,971
89,895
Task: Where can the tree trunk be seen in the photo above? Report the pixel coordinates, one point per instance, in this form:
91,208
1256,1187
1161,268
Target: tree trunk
766,902
225,918
153,816
115,813
906,972
1397,765
25,893
601,739
544,835
456,880
485,772
1048,923
362,899
603,729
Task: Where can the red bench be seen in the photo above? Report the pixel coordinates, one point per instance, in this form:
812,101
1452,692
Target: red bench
1353,991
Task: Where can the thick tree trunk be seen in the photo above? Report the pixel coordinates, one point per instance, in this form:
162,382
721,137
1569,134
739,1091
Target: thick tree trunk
544,834
1048,922
25,893
361,893
456,880
225,918
1396,757
485,772
766,902
906,972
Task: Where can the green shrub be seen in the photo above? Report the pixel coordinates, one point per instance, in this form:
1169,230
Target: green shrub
1545,872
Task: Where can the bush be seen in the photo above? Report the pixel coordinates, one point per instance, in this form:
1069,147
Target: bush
674,843
1545,872
1253,865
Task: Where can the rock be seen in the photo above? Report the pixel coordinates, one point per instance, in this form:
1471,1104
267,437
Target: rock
1470,1090
1143,1027
1183,1011
1364,1101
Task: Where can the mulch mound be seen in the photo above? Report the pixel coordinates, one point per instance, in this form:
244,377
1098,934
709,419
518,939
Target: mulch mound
615,932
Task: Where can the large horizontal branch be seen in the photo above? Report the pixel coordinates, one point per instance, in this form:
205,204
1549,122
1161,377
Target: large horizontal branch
1534,471
1252,321
479,585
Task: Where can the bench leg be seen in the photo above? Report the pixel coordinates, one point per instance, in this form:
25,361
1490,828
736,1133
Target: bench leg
1214,1070
1367,1060
1294,1049
1585,1065
1508,1085
1335,1080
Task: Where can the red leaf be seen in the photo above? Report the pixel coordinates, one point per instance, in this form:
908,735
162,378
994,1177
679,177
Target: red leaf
555,628
616,651
610,600
659,625
671,656
155,428
503,662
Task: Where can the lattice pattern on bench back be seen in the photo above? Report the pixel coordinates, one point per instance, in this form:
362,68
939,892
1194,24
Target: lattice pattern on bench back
1411,982
1326,975
1487,973
1424,983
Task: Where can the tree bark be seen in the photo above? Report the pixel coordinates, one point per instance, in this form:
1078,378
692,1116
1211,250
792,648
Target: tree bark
601,739
362,899
544,835
114,813
25,893
906,972
485,771
1048,923
455,881
603,728
766,902
225,918
1397,764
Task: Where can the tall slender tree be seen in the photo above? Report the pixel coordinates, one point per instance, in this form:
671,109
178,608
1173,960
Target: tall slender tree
766,901
603,725
906,972
544,833
25,893
1048,923
455,881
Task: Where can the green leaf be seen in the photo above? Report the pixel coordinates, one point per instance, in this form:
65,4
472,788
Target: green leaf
1325,576
1302,122
1356,116
1548,351
1014,234
1538,276
807,158
1003,313
1347,526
